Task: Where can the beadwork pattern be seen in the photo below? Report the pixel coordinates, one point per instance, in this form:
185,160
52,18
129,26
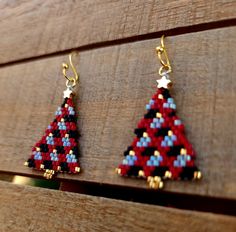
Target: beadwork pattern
57,150
160,149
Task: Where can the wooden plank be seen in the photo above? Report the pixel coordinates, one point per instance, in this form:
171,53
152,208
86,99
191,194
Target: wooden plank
116,83
25,208
34,28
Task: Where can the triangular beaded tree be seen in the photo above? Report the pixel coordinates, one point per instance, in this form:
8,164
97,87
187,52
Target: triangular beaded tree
57,150
160,149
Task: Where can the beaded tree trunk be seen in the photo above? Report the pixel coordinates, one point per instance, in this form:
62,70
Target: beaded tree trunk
57,150
160,149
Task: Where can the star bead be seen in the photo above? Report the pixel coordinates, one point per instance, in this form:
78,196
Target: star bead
67,93
164,82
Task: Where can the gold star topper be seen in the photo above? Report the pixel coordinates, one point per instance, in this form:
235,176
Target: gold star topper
164,82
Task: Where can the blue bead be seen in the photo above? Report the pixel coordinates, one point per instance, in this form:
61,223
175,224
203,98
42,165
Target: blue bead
176,163
152,125
172,106
182,163
131,162
177,122
163,143
152,158
138,144
148,139
151,101
161,120
155,120
145,144
158,125
166,105
170,100
173,137
148,107
149,163
155,163
170,143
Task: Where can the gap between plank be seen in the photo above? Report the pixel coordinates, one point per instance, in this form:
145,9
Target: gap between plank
137,38
146,196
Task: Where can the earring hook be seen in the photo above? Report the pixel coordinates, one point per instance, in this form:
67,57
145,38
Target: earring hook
71,81
163,58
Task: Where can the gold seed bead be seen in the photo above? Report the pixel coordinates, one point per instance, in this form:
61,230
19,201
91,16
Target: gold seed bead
145,134
160,96
156,153
197,175
141,173
168,174
183,151
170,133
66,135
26,163
118,171
77,169
131,152
161,185
158,115
41,166
37,149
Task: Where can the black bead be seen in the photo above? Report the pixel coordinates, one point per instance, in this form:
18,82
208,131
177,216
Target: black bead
130,148
60,149
70,118
43,147
174,151
134,170
149,151
31,163
160,171
171,114
64,167
47,164
76,151
162,132
56,134
165,93
188,173
139,132
64,102
151,113
73,134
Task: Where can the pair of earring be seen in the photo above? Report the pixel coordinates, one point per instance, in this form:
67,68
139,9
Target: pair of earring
159,151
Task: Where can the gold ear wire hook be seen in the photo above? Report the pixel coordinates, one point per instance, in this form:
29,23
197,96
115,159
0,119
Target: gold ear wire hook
71,81
163,58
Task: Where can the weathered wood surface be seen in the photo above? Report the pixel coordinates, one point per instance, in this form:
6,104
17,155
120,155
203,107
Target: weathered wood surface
116,83
25,208
34,28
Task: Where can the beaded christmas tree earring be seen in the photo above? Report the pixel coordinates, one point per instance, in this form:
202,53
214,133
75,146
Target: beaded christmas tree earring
57,150
160,149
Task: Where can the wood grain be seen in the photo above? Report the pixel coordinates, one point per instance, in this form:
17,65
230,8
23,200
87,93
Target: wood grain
25,208
116,83
34,28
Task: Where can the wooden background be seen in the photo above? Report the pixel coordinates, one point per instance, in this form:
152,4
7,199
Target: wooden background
118,69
